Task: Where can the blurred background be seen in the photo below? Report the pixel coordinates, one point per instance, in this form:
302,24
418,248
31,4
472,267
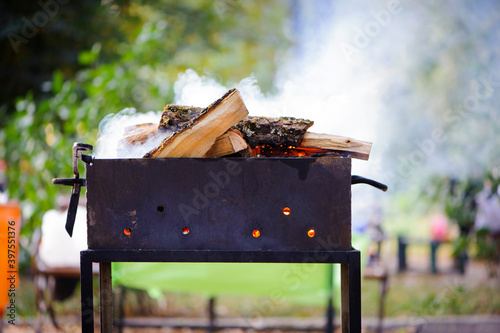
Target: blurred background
419,79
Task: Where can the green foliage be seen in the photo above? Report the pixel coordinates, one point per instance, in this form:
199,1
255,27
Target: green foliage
488,250
460,204
488,247
228,39
38,37
447,301
458,199
460,207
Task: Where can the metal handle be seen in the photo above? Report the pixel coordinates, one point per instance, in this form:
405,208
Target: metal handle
69,181
76,182
363,180
78,148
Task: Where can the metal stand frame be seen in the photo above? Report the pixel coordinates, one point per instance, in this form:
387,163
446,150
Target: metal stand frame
350,262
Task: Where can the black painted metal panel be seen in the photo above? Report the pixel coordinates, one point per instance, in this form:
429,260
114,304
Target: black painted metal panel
147,203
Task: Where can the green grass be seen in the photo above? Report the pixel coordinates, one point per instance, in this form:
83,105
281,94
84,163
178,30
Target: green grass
416,293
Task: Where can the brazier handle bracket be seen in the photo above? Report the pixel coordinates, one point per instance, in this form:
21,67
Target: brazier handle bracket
76,182
363,180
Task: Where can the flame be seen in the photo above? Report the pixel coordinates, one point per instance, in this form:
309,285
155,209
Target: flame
269,151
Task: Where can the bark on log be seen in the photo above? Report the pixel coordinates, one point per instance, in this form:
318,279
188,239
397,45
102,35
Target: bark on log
176,117
275,132
196,135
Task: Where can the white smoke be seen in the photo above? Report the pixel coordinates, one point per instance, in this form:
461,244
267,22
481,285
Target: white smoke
386,72
112,131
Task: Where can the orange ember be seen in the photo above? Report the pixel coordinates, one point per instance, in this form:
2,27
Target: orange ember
268,151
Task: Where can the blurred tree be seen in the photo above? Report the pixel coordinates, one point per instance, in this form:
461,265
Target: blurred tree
132,54
229,39
39,37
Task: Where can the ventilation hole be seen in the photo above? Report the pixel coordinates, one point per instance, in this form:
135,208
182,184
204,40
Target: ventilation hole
160,208
256,233
311,233
127,231
185,231
286,211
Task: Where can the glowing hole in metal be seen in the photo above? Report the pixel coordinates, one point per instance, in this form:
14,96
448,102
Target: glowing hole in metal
256,233
311,233
127,231
286,211
185,231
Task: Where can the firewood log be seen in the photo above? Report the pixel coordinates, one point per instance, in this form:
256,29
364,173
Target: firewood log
175,117
197,135
275,132
227,144
139,134
356,148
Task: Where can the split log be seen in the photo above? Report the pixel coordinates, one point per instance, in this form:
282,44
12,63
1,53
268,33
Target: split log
134,129
197,134
139,134
354,148
227,144
275,132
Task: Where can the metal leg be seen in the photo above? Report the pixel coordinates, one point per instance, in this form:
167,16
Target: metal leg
402,254
434,247
87,298
355,292
211,315
344,294
330,311
121,310
383,291
350,276
106,297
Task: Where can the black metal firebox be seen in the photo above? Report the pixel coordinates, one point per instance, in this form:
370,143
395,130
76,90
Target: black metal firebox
287,210
219,204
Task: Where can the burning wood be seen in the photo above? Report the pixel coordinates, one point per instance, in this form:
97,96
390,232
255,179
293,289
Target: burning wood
356,148
274,132
199,133
224,129
227,144
268,151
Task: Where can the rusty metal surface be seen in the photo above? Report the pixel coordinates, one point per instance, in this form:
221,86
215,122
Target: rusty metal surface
148,203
